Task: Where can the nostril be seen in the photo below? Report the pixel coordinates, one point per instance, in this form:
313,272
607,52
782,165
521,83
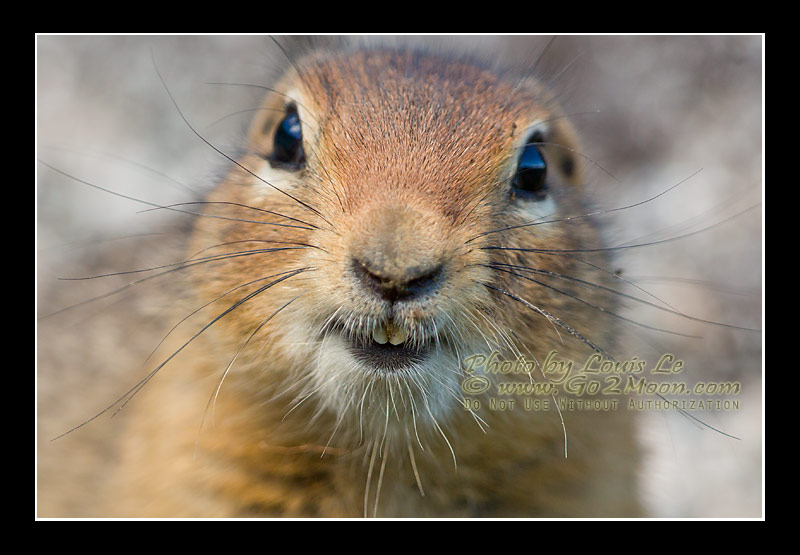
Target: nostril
400,285
425,282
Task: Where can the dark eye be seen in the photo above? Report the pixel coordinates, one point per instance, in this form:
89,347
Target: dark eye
288,142
530,179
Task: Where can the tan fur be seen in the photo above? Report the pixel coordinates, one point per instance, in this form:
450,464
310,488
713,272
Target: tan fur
409,158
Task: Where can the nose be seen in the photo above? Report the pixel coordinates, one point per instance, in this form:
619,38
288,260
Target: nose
398,284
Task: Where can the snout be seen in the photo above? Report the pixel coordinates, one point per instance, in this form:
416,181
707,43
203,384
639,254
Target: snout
398,256
401,283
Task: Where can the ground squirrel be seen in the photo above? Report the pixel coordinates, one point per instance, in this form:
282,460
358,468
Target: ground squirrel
304,333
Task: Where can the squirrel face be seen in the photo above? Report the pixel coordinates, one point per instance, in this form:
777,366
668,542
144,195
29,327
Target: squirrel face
411,202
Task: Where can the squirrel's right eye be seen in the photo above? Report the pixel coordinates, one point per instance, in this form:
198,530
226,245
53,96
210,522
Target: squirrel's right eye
530,180
288,141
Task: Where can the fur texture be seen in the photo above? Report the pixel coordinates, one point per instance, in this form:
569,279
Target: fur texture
258,407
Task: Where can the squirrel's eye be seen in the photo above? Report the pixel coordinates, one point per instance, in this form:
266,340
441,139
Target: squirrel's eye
530,179
288,142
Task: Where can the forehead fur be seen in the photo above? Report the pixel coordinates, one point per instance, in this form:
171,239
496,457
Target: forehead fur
401,124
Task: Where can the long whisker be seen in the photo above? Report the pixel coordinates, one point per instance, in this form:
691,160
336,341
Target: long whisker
384,457
589,215
154,205
238,112
212,401
189,264
714,286
195,336
596,307
127,396
637,245
549,317
441,432
369,477
209,202
542,54
101,155
264,88
306,112
270,241
501,266
335,429
185,263
94,240
414,466
212,301
608,356
228,157
413,405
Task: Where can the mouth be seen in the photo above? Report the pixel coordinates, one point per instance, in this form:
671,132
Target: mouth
388,349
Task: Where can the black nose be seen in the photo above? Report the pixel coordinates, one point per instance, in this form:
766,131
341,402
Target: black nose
408,284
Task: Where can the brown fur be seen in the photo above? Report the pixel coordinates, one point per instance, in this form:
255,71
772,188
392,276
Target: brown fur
409,157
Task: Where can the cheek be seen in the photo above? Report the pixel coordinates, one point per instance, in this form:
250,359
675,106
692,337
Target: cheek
539,210
271,181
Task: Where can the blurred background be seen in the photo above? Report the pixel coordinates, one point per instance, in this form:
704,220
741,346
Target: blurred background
652,111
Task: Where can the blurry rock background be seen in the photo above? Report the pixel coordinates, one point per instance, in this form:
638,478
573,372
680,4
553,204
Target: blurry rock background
652,111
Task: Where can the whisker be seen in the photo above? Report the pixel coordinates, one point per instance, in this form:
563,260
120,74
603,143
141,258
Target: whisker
587,303
384,457
441,432
718,287
265,88
414,408
706,215
152,204
238,112
171,180
301,401
227,243
620,247
589,215
369,477
228,157
308,227
542,54
185,263
335,428
361,412
212,301
499,266
94,240
212,401
414,466
548,316
127,396
195,336
602,352
188,264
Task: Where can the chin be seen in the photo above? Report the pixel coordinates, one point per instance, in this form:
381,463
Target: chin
383,392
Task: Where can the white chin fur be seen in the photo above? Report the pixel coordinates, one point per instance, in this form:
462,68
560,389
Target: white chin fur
418,396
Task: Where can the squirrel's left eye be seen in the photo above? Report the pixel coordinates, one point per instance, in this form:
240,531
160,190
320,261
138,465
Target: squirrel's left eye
530,180
288,141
